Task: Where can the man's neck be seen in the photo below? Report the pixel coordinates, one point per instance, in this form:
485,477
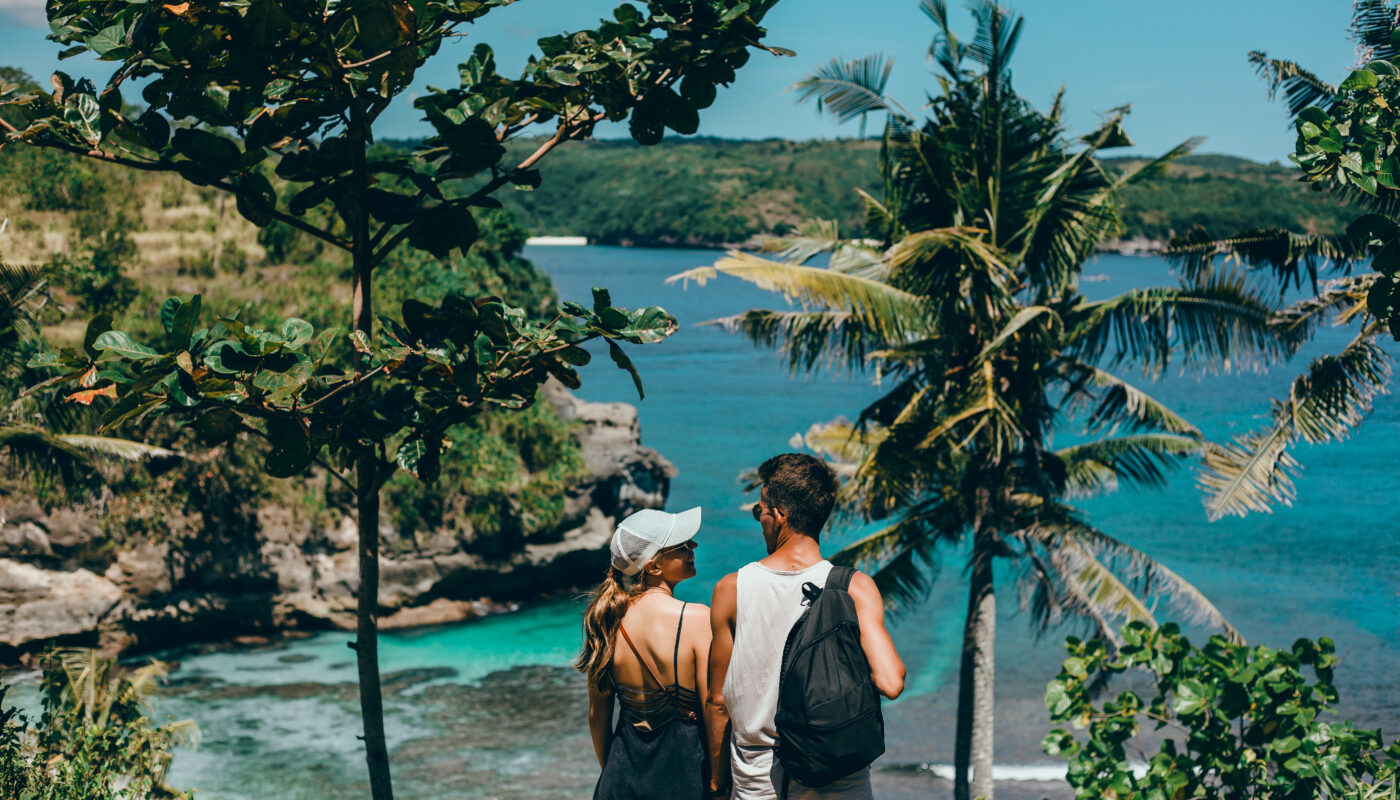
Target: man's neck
795,552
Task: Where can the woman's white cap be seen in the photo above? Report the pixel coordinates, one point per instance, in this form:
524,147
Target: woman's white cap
642,535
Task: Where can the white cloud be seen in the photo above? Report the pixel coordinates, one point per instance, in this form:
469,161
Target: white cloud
22,13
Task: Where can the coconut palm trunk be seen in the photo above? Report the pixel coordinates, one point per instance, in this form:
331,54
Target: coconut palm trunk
976,681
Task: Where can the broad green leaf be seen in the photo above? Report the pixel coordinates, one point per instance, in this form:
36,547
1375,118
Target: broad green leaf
120,343
622,361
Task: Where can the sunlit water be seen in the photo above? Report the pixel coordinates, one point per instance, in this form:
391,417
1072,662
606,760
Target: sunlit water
491,709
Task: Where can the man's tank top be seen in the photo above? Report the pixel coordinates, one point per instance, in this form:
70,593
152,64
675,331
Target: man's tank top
768,604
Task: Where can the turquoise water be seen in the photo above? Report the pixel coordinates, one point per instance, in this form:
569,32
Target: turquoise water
490,709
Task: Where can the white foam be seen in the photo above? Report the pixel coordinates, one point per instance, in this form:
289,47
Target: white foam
1035,773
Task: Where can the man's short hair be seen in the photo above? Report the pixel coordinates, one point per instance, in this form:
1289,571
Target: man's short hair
802,486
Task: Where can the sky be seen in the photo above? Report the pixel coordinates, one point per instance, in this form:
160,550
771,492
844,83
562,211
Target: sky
1180,64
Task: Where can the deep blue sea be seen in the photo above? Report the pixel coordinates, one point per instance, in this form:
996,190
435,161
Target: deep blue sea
490,709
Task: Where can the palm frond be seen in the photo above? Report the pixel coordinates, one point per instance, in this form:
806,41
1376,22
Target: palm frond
1217,322
1291,257
1158,166
1300,87
841,442
809,239
807,340
1060,530
1373,24
945,50
902,558
998,31
849,89
1323,405
1141,459
1117,403
1339,301
887,311
21,295
116,448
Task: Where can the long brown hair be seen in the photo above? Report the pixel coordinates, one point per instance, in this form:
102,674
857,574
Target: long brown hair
600,625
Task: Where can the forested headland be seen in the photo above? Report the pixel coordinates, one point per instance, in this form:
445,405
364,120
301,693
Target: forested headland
706,192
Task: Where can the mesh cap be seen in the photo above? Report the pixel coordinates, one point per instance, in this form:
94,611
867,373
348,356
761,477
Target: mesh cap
645,533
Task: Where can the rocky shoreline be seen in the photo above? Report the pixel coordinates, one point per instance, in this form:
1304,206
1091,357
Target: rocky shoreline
293,574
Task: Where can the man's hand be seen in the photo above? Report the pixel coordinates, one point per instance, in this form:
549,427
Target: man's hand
886,668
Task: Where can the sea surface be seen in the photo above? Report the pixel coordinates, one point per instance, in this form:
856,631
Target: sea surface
491,709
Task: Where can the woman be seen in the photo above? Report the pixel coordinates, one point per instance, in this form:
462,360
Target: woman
649,650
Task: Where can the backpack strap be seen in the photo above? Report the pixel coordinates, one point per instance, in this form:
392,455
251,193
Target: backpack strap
840,578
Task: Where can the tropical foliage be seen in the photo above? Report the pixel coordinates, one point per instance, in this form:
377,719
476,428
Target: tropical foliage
238,94
967,307
1232,721
94,739
1347,143
50,450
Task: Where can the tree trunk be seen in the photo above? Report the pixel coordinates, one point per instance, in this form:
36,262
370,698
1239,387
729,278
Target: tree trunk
973,746
367,629
367,482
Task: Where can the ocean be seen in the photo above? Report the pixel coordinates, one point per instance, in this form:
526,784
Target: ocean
491,709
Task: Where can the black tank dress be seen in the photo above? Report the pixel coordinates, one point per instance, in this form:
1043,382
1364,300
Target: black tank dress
668,759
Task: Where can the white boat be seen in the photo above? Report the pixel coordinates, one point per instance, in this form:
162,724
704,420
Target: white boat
557,241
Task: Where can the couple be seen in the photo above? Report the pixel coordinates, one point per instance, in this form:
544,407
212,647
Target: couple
699,686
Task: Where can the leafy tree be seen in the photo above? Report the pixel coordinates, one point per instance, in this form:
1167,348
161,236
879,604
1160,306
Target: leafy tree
1347,145
52,450
94,740
967,306
241,94
1238,721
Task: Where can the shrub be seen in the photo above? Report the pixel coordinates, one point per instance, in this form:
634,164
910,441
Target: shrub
1240,721
93,740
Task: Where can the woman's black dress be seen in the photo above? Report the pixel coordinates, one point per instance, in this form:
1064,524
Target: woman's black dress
668,759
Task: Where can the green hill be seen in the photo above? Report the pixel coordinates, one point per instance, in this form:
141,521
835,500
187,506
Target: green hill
710,192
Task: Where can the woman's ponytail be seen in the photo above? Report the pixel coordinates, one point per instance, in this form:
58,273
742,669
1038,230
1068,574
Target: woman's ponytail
600,625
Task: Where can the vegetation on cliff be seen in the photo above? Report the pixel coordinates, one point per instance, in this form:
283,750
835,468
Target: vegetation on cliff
711,192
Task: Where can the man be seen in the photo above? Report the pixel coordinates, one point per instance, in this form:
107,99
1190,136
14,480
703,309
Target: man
751,614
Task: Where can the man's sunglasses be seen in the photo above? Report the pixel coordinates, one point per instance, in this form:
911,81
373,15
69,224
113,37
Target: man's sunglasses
758,510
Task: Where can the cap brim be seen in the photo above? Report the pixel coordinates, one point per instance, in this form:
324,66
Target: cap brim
687,525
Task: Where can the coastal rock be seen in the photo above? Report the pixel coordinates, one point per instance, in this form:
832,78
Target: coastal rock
62,581
42,604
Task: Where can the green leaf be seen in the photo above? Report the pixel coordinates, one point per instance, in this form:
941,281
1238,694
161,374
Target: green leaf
218,425
296,332
97,326
290,453
186,317
120,343
420,456
622,361
1191,697
1359,79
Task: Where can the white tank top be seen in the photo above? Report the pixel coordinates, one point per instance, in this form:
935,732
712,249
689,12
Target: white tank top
768,604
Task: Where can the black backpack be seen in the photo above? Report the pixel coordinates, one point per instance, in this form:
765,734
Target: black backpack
829,722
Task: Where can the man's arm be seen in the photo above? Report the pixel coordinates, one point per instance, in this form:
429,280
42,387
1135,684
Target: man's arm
886,667
722,615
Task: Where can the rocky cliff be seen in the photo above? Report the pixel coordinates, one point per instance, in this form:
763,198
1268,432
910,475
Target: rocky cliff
58,583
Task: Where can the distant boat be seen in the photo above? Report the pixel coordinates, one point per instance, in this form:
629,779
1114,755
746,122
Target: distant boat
1099,278
557,241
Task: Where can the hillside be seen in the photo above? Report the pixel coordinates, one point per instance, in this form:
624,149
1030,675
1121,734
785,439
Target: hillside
710,192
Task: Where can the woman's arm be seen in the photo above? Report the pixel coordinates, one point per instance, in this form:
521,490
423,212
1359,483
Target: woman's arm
600,711
699,629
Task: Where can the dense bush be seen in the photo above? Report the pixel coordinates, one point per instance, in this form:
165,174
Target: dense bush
1238,721
94,740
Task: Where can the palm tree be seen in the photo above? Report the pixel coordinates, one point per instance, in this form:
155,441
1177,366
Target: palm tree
36,437
966,305
1335,395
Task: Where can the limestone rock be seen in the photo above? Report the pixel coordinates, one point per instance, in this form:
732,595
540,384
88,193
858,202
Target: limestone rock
289,572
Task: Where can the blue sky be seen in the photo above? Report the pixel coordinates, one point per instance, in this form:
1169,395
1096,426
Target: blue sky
1180,64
